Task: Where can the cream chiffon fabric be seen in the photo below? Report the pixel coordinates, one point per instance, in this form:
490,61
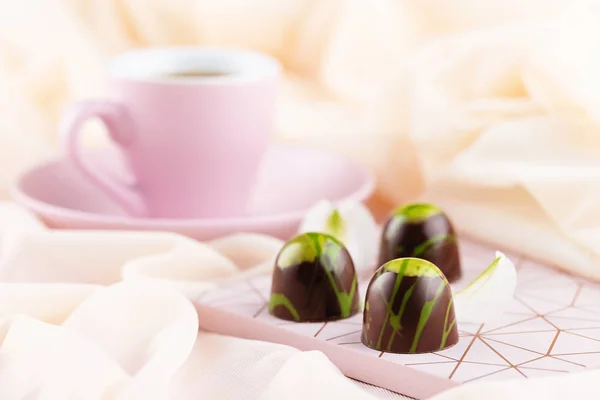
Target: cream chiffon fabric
102,315
490,108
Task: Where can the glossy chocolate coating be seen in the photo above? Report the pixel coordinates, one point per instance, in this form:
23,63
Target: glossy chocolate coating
314,280
421,231
409,309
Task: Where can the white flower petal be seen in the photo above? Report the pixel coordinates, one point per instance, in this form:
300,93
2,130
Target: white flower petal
362,235
488,296
335,225
315,219
352,224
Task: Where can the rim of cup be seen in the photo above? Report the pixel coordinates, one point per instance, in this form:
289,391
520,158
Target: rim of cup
221,64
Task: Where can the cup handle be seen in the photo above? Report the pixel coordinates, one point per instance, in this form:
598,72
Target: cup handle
119,127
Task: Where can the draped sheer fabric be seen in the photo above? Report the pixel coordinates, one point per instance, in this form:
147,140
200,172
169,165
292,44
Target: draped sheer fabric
489,108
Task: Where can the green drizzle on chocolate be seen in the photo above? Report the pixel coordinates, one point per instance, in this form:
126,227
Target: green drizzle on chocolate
315,275
297,250
409,308
421,231
417,212
410,266
432,242
448,328
424,317
278,299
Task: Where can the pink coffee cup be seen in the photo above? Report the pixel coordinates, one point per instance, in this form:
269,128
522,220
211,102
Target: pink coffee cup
192,124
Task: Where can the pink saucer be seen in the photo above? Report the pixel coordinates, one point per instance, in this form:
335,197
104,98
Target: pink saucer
292,180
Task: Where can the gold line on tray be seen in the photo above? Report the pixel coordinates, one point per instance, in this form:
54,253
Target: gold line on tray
475,336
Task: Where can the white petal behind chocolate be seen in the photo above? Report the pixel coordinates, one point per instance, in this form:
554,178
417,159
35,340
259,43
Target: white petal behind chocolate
316,218
489,295
352,224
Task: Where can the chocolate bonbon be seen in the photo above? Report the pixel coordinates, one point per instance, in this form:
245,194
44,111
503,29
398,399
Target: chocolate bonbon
421,231
314,280
409,309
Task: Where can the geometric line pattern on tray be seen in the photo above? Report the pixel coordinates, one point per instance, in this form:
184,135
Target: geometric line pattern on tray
552,327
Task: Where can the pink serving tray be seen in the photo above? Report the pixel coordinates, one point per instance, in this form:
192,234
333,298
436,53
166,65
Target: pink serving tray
552,328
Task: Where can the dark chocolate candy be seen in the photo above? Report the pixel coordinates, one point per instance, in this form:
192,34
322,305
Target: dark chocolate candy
421,231
409,309
314,280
